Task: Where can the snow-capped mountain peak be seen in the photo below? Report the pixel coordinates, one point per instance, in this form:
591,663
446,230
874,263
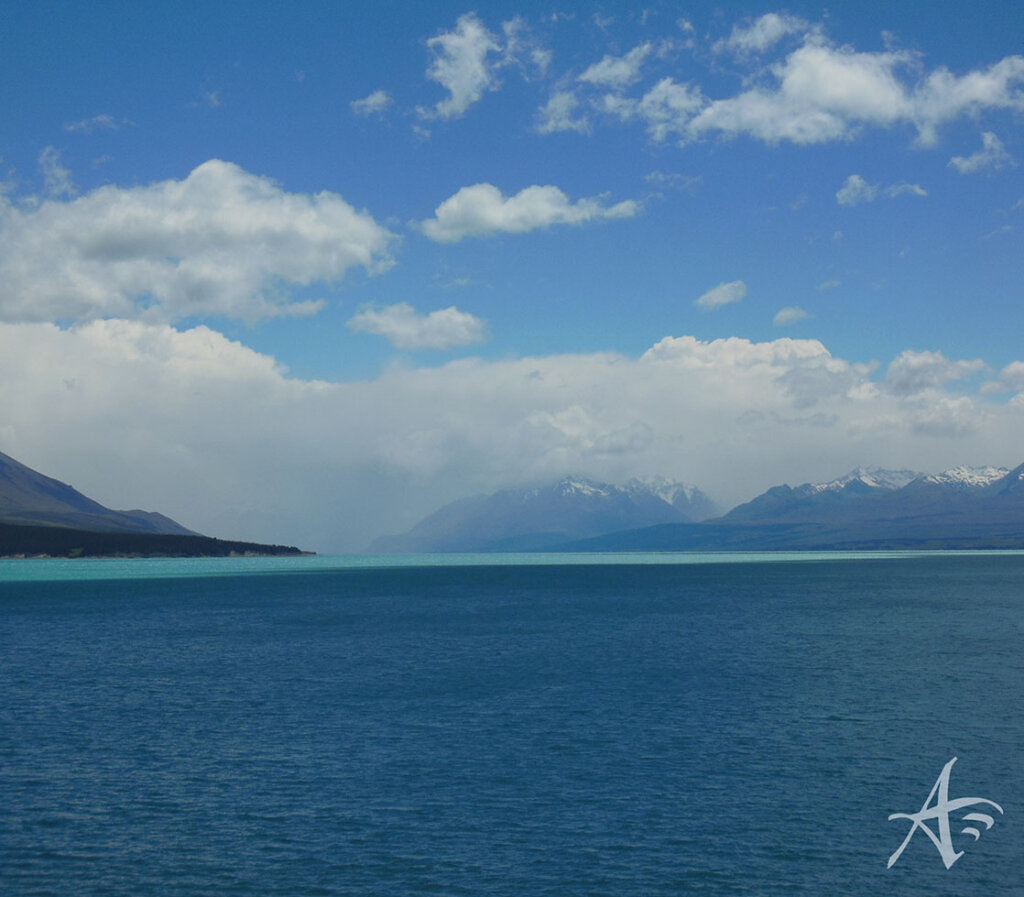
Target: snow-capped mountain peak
872,477
685,497
576,485
968,477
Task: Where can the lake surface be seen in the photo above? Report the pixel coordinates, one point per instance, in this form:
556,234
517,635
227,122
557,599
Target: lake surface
549,725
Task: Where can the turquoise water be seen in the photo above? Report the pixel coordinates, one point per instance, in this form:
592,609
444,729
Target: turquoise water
60,569
523,725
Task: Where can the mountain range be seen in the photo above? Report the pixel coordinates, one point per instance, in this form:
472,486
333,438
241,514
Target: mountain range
963,507
535,518
41,515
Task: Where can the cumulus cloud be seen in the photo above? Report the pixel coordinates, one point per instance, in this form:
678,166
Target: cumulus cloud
128,411
1011,379
758,35
944,96
991,155
723,294
667,107
405,328
56,178
856,190
822,93
461,66
482,210
219,242
818,94
788,315
617,72
374,104
913,372
558,115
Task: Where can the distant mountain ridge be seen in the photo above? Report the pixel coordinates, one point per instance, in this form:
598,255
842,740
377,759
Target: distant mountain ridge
962,507
869,507
524,519
873,493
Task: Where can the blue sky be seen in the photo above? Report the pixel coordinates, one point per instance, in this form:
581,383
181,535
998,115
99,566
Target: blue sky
304,272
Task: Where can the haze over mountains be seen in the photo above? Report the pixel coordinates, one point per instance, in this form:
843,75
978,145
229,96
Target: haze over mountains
963,507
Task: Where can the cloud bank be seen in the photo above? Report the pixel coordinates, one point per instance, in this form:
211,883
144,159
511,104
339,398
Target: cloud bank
220,437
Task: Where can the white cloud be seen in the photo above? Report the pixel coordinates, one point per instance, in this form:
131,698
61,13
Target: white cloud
856,190
944,96
760,34
460,66
405,328
542,60
557,115
913,372
56,178
674,180
945,416
1011,379
617,72
991,155
831,284
103,122
524,50
1013,374
667,108
482,210
191,421
723,294
822,93
220,242
788,315
905,190
374,104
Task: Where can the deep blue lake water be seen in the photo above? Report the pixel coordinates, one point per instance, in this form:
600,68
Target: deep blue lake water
716,728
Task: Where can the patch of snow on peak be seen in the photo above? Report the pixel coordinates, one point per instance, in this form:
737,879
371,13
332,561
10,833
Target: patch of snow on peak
875,477
581,486
968,476
662,487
